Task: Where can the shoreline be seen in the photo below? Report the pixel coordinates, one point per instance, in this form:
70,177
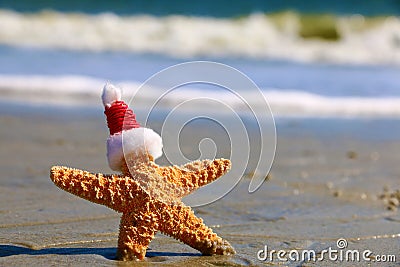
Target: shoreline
324,184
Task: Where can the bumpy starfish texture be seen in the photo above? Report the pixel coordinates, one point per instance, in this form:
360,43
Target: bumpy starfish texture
149,198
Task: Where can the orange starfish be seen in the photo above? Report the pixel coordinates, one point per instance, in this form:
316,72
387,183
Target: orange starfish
144,213
147,195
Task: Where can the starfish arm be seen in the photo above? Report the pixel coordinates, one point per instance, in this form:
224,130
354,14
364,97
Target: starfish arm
195,174
117,192
135,234
180,222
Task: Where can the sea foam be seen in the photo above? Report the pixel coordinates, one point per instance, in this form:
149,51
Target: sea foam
351,39
71,90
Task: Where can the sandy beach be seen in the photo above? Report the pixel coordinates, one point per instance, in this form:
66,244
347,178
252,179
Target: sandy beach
324,185
212,78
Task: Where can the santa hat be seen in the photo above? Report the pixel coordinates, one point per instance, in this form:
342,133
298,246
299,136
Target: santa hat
126,134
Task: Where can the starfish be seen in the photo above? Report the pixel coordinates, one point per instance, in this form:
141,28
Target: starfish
149,198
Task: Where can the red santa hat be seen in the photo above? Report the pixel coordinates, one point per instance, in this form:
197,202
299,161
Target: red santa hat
126,134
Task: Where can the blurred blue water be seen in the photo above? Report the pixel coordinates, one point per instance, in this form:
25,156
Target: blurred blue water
316,78
223,8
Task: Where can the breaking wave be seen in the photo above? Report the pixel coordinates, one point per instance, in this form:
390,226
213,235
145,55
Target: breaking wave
288,35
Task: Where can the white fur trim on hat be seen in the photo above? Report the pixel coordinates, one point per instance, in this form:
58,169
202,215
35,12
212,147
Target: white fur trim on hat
135,139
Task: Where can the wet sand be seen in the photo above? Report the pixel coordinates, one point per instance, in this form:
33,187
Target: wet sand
324,185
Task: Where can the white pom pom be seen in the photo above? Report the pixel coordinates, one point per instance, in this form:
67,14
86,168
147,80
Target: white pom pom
110,94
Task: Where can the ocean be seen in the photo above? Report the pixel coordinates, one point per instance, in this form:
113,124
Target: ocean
323,169
311,59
